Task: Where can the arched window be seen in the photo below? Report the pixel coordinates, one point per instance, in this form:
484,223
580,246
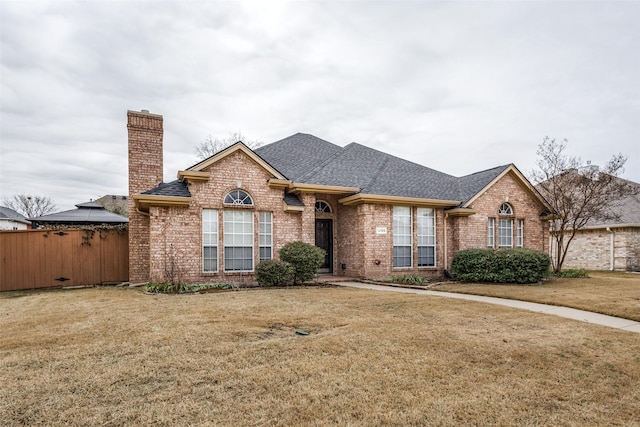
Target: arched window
238,197
505,209
505,226
322,207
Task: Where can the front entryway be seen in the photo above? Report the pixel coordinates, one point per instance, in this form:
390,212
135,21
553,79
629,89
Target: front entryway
324,240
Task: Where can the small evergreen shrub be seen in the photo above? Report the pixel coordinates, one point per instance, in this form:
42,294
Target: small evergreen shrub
409,280
500,266
572,273
305,259
274,272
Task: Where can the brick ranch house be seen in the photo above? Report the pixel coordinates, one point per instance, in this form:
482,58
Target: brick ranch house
376,215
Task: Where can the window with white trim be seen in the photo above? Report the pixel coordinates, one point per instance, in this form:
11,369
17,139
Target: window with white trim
505,226
209,240
491,232
265,235
401,236
505,233
238,197
505,209
520,241
322,207
238,240
426,237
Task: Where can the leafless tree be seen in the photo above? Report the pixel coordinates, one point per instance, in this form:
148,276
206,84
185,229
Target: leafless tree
578,194
211,145
30,206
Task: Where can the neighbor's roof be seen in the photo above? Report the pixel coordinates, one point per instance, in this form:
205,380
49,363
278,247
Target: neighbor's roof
87,213
11,215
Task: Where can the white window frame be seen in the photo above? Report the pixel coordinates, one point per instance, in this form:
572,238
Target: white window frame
322,207
491,233
210,239
238,233
402,234
520,231
426,223
265,235
505,233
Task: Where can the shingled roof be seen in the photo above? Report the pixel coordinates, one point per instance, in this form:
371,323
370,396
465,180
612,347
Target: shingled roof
87,213
307,159
173,188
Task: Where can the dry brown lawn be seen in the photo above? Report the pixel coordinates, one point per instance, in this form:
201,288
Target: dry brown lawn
113,356
611,293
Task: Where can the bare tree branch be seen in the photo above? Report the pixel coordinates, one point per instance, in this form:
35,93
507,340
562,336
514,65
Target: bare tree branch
211,145
30,206
579,195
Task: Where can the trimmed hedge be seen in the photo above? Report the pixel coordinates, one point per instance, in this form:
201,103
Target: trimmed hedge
305,259
274,272
500,266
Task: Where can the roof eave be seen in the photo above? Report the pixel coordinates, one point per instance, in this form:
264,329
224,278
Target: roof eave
358,199
298,187
144,201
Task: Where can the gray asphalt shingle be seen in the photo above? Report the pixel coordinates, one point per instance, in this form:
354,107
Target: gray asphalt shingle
308,159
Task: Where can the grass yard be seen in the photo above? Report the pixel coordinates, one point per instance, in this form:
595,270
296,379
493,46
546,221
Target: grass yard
612,293
114,356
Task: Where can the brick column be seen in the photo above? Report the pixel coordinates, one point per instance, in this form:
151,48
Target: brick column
308,221
145,172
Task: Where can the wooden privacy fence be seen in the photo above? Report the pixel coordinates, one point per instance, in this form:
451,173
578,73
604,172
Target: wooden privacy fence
31,259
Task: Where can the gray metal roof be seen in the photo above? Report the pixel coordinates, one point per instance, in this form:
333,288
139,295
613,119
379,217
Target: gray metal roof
10,214
86,213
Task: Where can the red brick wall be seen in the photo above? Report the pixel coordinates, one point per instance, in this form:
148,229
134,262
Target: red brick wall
176,233
145,172
471,232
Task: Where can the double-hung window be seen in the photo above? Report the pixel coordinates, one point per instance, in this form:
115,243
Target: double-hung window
265,235
520,242
505,227
209,240
491,232
505,233
426,238
238,240
401,236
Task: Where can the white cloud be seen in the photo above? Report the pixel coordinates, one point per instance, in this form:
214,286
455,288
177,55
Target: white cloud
456,86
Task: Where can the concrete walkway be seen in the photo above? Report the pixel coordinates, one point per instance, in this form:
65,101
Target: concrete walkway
569,313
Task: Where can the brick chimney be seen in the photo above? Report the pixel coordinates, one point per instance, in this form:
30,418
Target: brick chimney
145,172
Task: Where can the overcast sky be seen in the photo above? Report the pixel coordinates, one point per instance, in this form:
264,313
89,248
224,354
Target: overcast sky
456,86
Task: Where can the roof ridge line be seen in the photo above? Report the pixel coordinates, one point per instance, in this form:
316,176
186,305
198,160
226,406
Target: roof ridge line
324,162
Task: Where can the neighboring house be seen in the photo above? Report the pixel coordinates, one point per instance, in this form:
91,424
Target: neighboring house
12,220
89,213
609,245
115,203
376,215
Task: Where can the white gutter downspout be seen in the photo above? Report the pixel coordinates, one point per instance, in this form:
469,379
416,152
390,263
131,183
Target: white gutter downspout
611,249
446,238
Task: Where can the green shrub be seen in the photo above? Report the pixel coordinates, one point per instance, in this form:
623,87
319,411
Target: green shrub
305,259
409,280
168,288
274,272
572,273
500,266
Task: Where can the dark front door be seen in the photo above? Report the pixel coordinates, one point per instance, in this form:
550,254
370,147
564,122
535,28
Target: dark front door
324,240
